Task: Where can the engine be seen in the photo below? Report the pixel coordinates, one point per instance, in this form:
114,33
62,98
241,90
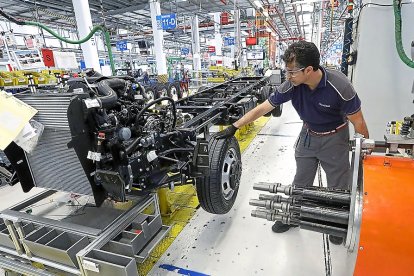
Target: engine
103,137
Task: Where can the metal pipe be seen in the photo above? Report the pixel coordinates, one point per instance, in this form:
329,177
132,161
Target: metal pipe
278,198
303,224
325,214
325,196
306,193
273,216
313,212
321,228
273,188
272,205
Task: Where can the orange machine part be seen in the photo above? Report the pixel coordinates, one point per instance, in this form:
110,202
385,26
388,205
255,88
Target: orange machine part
386,245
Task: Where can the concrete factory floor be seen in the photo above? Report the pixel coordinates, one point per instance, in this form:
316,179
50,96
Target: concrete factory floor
238,244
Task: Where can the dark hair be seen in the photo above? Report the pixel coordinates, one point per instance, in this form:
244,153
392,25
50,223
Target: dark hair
303,53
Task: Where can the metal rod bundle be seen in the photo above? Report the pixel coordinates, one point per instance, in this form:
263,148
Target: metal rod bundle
315,209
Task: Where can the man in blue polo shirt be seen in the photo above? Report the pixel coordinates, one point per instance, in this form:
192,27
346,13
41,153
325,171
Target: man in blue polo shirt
325,101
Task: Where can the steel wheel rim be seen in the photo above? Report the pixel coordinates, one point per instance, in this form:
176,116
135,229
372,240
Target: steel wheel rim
230,164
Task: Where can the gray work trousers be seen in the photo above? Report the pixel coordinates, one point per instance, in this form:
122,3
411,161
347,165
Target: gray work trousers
332,151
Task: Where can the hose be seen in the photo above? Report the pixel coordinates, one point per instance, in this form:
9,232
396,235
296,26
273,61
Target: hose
94,30
108,96
155,102
398,36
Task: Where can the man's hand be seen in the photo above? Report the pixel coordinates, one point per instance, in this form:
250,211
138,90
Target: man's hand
227,133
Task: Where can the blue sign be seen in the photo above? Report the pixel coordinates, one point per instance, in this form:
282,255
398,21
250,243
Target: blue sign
166,21
151,60
228,41
82,64
122,45
185,51
101,62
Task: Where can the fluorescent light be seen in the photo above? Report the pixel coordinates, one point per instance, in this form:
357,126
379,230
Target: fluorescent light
265,13
268,30
258,4
244,33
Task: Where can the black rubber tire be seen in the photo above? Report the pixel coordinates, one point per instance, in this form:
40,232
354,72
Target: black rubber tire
149,93
277,112
209,188
178,92
162,90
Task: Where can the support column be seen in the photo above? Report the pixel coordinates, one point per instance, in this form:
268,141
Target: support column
160,59
195,37
84,23
319,30
217,36
238,47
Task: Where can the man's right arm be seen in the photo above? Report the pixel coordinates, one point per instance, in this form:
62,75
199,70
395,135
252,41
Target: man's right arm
254,114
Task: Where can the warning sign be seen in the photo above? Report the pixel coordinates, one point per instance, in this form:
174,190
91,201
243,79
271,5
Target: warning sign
48,58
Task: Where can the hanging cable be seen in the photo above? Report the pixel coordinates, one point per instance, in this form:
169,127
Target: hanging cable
83,40
398,37
102,12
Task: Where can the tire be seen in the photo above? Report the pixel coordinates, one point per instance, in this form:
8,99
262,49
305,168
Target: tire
174,91
161,90
149,93
218,191
277,112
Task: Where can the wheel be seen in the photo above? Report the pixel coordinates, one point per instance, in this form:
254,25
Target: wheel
162,90
149,93
277,112
174,91
217,192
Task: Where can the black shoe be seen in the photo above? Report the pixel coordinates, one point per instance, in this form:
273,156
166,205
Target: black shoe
280,227
336,240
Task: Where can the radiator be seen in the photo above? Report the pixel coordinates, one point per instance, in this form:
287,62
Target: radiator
53,165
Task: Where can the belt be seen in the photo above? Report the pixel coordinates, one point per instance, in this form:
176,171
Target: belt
327,132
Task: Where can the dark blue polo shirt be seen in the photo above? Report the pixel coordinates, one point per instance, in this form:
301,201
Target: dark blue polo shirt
324,108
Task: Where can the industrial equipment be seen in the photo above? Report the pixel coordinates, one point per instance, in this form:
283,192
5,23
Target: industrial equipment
371,216
101,137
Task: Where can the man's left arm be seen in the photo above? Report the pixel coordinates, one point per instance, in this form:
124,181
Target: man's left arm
357,119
